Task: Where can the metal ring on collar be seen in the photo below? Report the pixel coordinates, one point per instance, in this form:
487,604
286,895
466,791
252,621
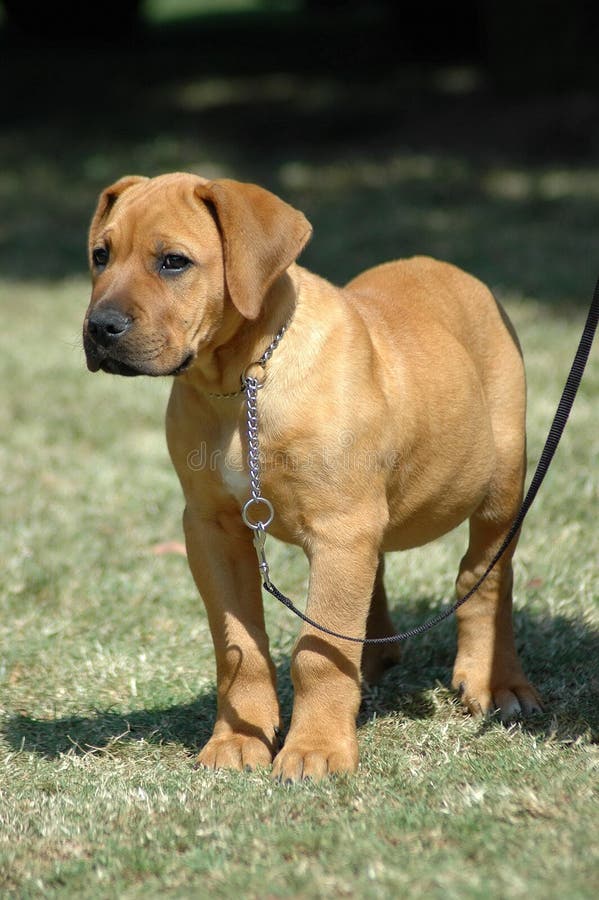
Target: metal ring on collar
245,375
256,525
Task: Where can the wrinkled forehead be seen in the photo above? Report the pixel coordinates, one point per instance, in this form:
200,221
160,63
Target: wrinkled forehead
157,211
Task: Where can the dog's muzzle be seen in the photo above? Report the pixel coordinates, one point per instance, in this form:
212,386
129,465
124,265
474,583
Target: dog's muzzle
105,349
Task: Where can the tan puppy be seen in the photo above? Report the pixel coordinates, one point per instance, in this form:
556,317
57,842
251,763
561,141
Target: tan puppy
392,410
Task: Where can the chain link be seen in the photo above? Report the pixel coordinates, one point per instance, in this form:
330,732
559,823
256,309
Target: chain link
273,345
251,399
261,362
256,498
258,526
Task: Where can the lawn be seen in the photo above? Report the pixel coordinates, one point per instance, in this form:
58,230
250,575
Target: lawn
106,665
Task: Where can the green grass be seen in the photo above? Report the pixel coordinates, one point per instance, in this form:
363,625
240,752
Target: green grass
106,665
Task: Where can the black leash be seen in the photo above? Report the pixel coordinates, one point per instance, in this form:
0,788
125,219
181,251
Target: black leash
553,438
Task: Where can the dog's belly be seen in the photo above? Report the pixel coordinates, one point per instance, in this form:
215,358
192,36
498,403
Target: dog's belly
422,472
431,522
421,500
429,496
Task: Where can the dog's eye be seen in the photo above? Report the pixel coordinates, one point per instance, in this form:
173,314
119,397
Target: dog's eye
174,262
100,257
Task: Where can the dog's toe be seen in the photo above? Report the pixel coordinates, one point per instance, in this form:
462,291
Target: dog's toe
508,703
301,762
235,751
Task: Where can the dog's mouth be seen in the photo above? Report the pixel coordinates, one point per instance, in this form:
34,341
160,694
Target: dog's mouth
184,365
116,367
98,359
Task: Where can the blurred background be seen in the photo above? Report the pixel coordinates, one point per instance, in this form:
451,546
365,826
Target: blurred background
469,131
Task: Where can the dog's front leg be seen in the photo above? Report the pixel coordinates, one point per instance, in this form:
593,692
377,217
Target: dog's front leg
326,671
223,563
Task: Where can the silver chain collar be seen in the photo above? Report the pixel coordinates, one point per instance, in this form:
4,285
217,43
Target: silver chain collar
250,387
264,506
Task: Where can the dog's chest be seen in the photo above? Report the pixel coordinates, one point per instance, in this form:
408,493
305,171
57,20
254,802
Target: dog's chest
229,462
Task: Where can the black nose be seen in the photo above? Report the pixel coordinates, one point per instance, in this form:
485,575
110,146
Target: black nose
106,325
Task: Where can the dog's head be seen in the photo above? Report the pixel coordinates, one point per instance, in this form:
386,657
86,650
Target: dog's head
175,260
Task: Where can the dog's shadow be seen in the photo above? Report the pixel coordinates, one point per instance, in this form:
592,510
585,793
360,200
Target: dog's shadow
559,655
187,724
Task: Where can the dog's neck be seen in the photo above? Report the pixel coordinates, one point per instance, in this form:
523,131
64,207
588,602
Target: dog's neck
239,342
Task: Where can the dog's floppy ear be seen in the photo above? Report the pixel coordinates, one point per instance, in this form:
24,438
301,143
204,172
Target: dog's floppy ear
109,196
261,234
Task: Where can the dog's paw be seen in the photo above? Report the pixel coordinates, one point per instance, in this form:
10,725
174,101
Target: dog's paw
235,751
302,760
512,699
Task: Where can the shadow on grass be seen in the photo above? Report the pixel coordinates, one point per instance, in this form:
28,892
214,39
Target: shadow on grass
559,655
187,724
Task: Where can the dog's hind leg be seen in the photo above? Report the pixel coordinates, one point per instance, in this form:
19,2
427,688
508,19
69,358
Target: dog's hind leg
377,658
487,671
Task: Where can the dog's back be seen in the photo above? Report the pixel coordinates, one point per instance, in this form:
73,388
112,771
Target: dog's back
405,300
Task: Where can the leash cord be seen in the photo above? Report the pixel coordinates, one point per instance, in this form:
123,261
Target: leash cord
553,438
